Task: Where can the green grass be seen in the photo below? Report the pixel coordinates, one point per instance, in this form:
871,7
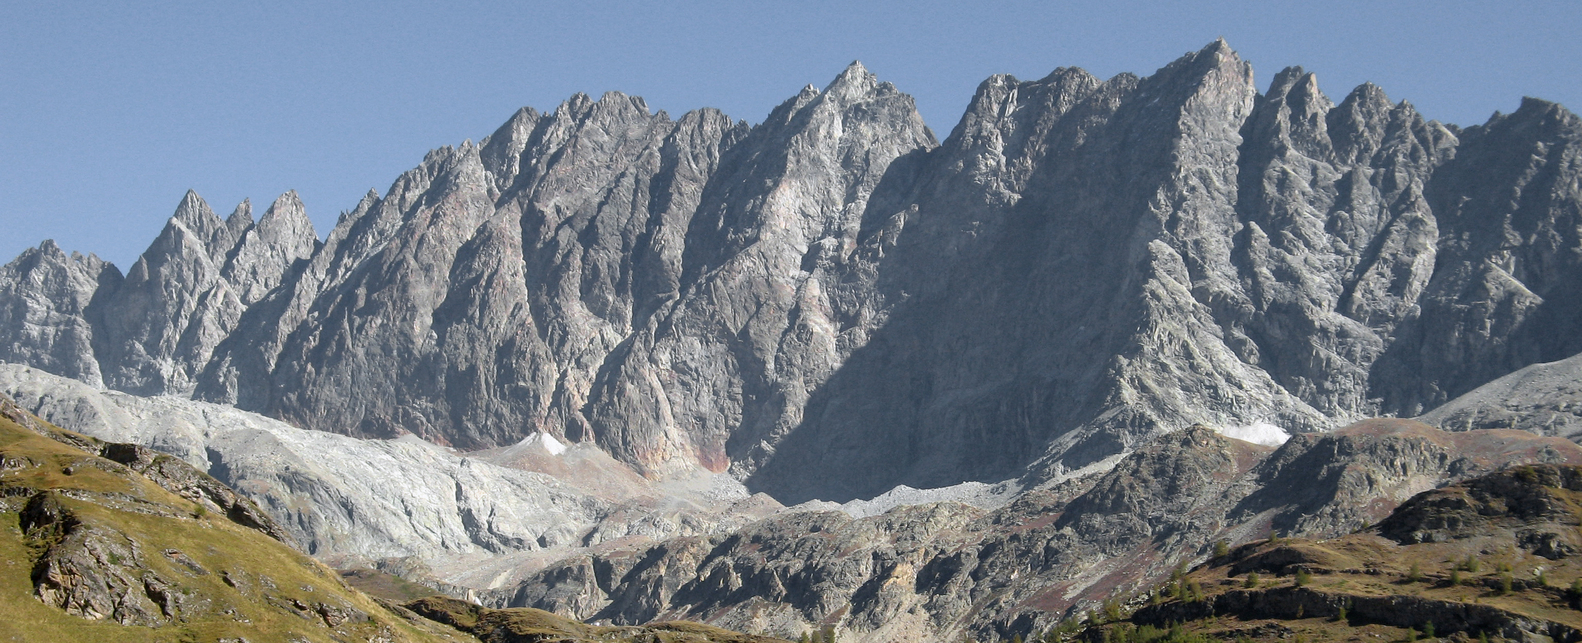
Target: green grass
214,543
524,623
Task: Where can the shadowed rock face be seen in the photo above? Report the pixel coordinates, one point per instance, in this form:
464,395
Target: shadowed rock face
832,303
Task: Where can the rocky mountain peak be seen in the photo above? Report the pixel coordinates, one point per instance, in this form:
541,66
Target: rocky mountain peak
830,303
621,101
268,251
205,227
194,212
1301,115
1357,126
44,300
240,219
286,213
501,151
855,83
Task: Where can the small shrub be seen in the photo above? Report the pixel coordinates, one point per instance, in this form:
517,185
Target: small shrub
1302,577
1301,612
1112,610
1471,564
1221,549
1252,580
1428,629
1455,577
1543,578
200,511
1505,584
1415,574
1411,634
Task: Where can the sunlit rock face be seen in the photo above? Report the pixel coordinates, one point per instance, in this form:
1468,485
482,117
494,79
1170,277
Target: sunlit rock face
831,302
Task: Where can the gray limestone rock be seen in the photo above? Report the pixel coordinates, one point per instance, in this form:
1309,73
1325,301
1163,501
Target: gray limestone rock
44,320
1541,398
942,571
832,303
266,253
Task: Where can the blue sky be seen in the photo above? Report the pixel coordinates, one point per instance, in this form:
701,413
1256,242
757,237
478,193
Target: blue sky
109,112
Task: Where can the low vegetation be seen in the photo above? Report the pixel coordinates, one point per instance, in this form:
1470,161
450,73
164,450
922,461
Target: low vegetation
1493,559
527,625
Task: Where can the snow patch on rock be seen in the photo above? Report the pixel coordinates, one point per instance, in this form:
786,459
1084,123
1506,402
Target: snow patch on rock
1257,433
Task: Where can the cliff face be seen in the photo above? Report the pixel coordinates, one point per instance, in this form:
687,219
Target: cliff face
832,302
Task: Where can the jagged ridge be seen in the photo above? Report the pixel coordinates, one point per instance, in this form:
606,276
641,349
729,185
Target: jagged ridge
832,303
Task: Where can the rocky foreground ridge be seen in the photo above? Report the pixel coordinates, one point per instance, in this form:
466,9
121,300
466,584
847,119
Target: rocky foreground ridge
1492,558
106,541
831,302
114,541
932,572
945,571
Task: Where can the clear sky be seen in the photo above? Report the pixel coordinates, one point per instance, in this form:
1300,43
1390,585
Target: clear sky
109,112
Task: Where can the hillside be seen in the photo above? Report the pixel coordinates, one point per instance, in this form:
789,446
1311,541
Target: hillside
107,541
1494,557
96,549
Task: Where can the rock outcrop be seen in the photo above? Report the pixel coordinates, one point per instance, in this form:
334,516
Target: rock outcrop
92,545
941,571
832,303
1542,398
1481,559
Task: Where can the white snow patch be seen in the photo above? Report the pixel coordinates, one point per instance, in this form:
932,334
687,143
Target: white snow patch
977,494
553,446
1258,433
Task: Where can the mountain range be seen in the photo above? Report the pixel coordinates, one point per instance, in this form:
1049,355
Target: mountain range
833,304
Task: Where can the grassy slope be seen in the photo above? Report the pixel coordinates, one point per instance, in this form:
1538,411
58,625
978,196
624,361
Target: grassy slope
163,521
386,586
522,624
